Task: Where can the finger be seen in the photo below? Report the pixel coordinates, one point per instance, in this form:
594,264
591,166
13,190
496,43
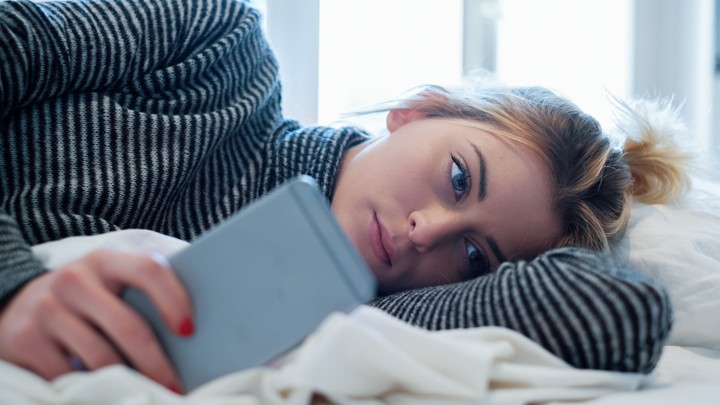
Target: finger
42,356
158,281
129,332
48,361
86,342
26,340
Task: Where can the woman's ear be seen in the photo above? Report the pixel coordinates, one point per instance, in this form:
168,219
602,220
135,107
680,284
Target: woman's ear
399,117
411,108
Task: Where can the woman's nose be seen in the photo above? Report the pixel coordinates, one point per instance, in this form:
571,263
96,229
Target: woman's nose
429,228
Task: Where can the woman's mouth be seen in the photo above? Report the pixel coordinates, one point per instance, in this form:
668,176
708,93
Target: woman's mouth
380,241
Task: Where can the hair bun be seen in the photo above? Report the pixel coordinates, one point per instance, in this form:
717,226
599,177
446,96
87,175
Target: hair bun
652,129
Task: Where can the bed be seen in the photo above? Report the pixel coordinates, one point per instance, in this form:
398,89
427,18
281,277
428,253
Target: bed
368,357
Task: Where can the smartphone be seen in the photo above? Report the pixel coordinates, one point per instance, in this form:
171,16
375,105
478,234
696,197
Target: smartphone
260,282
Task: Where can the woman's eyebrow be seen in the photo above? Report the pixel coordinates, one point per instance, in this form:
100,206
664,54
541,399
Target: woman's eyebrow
496,250
482,184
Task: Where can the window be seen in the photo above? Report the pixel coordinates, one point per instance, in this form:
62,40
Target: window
372,51
581,49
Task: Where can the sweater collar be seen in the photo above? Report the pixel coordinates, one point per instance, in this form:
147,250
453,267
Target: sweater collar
314,151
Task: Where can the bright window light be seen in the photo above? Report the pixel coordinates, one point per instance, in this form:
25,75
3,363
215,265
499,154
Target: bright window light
580,48
372,51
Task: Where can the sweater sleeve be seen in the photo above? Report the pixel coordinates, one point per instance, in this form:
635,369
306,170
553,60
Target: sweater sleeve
577,304
52,48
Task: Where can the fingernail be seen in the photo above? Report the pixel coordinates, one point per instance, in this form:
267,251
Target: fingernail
186,327
174,389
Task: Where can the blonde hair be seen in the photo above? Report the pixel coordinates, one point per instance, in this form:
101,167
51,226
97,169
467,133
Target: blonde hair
595,179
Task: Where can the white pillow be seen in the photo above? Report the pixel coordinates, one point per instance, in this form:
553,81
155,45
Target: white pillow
679,245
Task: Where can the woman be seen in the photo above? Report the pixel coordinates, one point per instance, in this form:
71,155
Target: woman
164,115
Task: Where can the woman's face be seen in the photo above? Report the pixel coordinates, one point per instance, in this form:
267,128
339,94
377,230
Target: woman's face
439,201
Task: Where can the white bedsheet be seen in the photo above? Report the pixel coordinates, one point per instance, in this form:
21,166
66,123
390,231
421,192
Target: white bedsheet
684,375
363,358
368,357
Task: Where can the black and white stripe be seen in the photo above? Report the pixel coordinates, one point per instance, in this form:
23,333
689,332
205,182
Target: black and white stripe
577,304
165,115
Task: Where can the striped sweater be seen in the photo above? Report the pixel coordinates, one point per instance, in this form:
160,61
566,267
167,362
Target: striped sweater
165,115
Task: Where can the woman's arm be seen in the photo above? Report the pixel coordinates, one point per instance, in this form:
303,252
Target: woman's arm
136,50
54,48
577,304
116,47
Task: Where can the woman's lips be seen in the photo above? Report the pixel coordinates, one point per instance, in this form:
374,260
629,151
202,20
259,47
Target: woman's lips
380,241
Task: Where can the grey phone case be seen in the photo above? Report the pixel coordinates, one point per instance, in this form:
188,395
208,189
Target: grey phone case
260,282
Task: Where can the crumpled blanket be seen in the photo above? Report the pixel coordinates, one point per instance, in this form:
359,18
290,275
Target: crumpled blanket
364,357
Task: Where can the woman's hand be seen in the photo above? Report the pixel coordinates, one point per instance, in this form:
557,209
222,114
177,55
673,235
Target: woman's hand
76,311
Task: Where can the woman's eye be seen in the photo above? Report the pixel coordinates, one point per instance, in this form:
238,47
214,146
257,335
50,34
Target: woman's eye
459,178
478,264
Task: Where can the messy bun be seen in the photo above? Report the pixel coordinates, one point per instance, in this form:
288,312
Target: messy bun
656,163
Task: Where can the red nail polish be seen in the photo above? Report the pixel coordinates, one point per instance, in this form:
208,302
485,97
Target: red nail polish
186,327
174,389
